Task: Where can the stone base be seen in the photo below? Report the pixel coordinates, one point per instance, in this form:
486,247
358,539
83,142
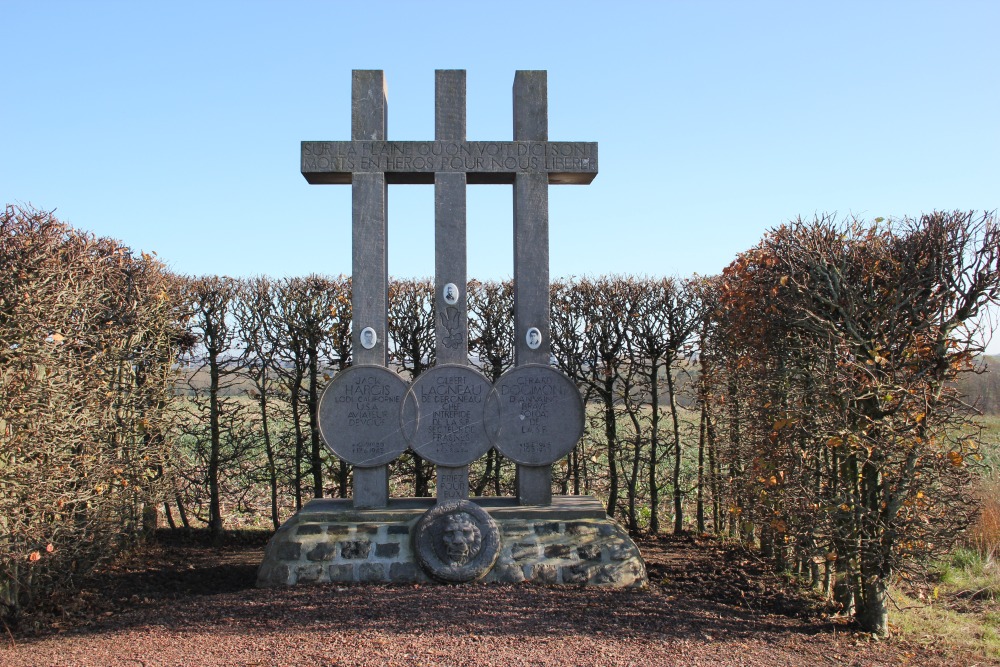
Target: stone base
571,541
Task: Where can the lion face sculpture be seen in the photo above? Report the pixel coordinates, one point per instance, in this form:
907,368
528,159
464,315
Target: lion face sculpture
461,537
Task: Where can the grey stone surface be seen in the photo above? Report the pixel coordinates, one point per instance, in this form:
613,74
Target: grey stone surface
309,529
322,551
621,550
450,258
369,253
371,487
576,574
546,528
289,550
309,574
450,223
416,162
545,573
508,574
534,484
580,528
558,551
387,550
456,542
452,483
529,537
520,551
535,415
371,572
531,253
443,415
359,415
530,162
357,549
405,573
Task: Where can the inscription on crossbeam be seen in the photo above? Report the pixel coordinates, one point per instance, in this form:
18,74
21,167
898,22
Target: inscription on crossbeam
565,162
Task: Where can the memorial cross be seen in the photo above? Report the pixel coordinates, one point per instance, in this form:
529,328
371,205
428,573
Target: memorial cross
369,162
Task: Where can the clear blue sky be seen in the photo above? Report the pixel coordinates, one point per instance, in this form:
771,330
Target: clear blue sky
175,126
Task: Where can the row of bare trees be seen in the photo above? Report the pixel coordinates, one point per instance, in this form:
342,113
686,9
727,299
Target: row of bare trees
804,400
267,349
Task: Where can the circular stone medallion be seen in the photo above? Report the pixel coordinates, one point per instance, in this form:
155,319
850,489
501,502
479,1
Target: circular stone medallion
456,541
359,415
536,415
443,415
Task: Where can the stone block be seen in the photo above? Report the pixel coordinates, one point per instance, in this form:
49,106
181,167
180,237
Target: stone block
607,574
508,574
387,550
405,573
289,551
520,551
607,529
309,529
367,529
358,549
397,529
337,529
516,529
558,551
620,551
322,551
308,574
342,572
591,552
576,574
371,572
581,529
545,573
547,528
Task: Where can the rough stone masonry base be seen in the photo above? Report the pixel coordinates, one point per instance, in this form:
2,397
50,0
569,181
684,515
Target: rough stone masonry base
571,541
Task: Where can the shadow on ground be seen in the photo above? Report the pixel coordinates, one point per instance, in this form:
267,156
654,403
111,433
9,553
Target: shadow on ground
701,588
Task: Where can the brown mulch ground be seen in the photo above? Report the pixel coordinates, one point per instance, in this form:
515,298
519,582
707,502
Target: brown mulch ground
178,602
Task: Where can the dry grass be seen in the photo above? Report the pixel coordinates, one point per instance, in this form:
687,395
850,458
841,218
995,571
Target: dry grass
985,535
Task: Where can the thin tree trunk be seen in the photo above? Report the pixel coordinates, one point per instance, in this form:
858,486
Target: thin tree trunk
182,512
702,437
611,433
272,470
169,515
654,439
215,454
678,495
314,440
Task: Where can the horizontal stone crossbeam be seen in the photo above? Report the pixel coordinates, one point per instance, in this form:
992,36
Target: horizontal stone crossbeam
415,162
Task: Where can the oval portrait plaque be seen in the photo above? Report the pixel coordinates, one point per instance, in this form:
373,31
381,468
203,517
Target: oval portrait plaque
359,415
536,415
456,541
443,415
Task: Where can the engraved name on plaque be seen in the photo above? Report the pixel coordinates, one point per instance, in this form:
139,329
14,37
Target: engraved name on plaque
444,415
359,415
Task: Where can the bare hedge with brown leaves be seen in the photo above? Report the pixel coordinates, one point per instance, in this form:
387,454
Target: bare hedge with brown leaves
88,333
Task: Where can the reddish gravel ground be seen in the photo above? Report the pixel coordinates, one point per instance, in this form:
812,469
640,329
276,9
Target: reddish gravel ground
177,602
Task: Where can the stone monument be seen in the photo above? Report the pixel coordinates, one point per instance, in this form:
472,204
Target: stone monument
452,414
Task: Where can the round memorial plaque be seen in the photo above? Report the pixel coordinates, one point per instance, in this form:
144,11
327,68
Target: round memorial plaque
443,415
456,541
535,415
359,415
